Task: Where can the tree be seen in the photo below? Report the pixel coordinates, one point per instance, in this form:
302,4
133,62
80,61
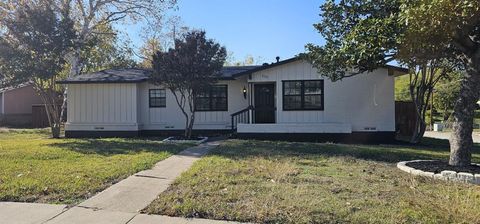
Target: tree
90,16
446,94
188,68
422,80
147,51
162,39
365,38
402,92
366,34
249,60
32,45
106,51
451,29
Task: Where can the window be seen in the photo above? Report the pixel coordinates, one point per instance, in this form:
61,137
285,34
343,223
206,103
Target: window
212,99
303,95
157,98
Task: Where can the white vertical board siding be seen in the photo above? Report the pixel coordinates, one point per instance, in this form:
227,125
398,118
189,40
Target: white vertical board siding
171,117
102,107
365,102
361,103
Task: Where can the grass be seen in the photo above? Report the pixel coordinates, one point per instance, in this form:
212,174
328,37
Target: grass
36,168
280,182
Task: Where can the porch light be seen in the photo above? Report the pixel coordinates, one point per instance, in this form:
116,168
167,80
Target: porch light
244,92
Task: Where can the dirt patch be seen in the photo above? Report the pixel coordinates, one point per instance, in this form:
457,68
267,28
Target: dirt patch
439,166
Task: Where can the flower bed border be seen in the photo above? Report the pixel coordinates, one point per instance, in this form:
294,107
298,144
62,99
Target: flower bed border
447,175
172,140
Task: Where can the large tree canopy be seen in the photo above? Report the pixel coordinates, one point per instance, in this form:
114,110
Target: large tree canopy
360,34
425,35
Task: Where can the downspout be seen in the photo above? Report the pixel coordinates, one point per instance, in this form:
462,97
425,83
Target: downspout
3,103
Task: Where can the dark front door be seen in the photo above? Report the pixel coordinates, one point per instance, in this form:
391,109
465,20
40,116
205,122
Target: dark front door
264,103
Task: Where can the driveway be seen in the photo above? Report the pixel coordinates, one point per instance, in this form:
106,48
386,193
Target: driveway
446,135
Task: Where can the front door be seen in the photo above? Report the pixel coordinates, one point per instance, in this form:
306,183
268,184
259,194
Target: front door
264,103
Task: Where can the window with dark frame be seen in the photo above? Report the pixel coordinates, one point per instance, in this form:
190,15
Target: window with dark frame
157,98
214,98
303,95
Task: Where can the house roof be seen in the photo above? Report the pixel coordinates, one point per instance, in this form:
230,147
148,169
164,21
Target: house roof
230,72
395,69
134,75
6,89
123,75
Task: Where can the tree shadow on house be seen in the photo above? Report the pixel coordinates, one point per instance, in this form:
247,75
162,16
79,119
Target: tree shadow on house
115,146
429,149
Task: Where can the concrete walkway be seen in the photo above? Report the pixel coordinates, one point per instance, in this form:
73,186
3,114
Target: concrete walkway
446,135
118,204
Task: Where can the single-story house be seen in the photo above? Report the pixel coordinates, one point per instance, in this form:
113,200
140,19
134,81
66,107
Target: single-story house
16,105
288,100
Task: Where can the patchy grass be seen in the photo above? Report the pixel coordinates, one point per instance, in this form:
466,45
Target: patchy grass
280,182
36,168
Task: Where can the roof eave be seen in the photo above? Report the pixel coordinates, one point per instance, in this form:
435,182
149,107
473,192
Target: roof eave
396,71
100,82
261,68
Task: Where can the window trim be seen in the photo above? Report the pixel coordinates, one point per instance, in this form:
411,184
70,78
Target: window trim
210,100
150,98
302,95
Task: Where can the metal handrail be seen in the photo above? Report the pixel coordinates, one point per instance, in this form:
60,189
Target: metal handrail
242,116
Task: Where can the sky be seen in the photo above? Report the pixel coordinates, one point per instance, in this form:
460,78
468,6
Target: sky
263,29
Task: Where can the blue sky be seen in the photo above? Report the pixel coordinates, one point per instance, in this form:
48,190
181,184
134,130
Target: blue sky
261,28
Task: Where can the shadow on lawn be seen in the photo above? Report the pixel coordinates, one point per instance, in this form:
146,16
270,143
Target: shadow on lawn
114,146
429,149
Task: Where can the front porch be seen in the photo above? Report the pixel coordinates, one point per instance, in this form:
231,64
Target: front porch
266,113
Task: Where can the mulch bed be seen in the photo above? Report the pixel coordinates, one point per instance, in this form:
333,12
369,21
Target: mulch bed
439,166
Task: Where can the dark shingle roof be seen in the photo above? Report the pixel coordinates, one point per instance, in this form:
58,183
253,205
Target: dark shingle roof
230,72
14,87
134,75
125,75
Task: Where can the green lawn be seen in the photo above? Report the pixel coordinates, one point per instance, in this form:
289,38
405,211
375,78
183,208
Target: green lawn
280,182
36,168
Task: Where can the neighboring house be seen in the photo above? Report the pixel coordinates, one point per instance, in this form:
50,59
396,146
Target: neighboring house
16,105
286,100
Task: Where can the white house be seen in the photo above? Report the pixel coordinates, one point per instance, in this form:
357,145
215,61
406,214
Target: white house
288,100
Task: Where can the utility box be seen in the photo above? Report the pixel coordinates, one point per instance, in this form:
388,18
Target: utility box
437,127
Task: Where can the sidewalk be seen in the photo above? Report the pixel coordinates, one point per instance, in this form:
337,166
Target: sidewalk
118,204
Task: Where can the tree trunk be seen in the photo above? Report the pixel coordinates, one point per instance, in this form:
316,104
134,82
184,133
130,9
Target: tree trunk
419,131
446,114
55,130
190,127
186,133
51,110
74,71
461,141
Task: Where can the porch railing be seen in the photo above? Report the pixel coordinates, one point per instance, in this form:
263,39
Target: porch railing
242,117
